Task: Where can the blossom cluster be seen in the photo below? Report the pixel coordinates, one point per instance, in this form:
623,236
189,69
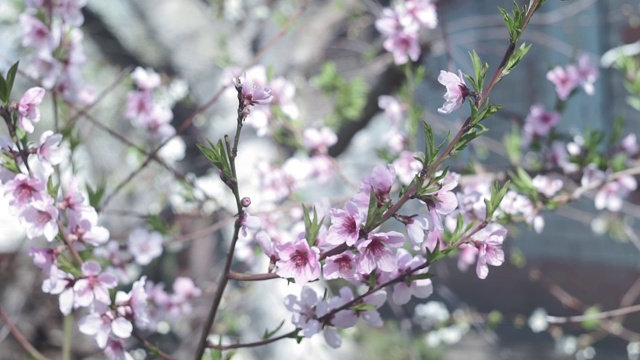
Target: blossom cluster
401,26
265,97
144,110
51,30
63,216
566,79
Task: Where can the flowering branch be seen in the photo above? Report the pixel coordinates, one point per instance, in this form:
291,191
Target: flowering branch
243,111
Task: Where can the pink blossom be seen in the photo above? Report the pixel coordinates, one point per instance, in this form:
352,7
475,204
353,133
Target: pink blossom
629,145
49,150
457,90
73,202
403,46
133,305
22,190
340,266
61,284
283,92
40,218
442,201
417,227
381,180
343,319
420,288
546,185
298,261
139,103
47,260
184,289
406,167
253,92
101,326
565,80
345,224
588,74
117,350
94,285
611,195
144,245
467,255
158,122
70,11
36,34
42,65
28,111
376,253
372,317
318,140
539,122
424,11
304,311
85,230
489,243
392,109
394,21
145,79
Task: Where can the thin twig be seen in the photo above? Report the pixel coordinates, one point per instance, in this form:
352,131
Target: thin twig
20,338
152,347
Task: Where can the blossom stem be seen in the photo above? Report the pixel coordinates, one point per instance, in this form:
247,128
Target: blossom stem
68,335
497,75
252,277
225,275
20,338
65,239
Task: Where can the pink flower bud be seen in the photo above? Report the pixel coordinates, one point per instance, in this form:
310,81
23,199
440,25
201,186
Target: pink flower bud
245,202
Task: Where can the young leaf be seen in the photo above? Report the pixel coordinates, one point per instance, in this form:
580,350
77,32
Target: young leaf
267,334
11,77
4,96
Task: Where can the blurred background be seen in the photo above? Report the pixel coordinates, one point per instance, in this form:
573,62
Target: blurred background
566,269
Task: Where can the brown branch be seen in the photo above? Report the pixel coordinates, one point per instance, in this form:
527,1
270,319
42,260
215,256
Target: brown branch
152,348
20,338
255,343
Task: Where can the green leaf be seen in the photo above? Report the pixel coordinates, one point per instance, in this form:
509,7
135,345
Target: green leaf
513,145
156,223
372,212
479,70
267,334
497,194
429,146
11,77
515,58
52,189
311,225
218,157
4,93
95,195
364,307
421,276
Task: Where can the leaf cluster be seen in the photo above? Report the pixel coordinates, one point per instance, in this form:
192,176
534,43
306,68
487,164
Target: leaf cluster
311,225
218,156
350,95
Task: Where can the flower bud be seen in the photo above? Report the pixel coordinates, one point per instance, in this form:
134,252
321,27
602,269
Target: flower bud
245,202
